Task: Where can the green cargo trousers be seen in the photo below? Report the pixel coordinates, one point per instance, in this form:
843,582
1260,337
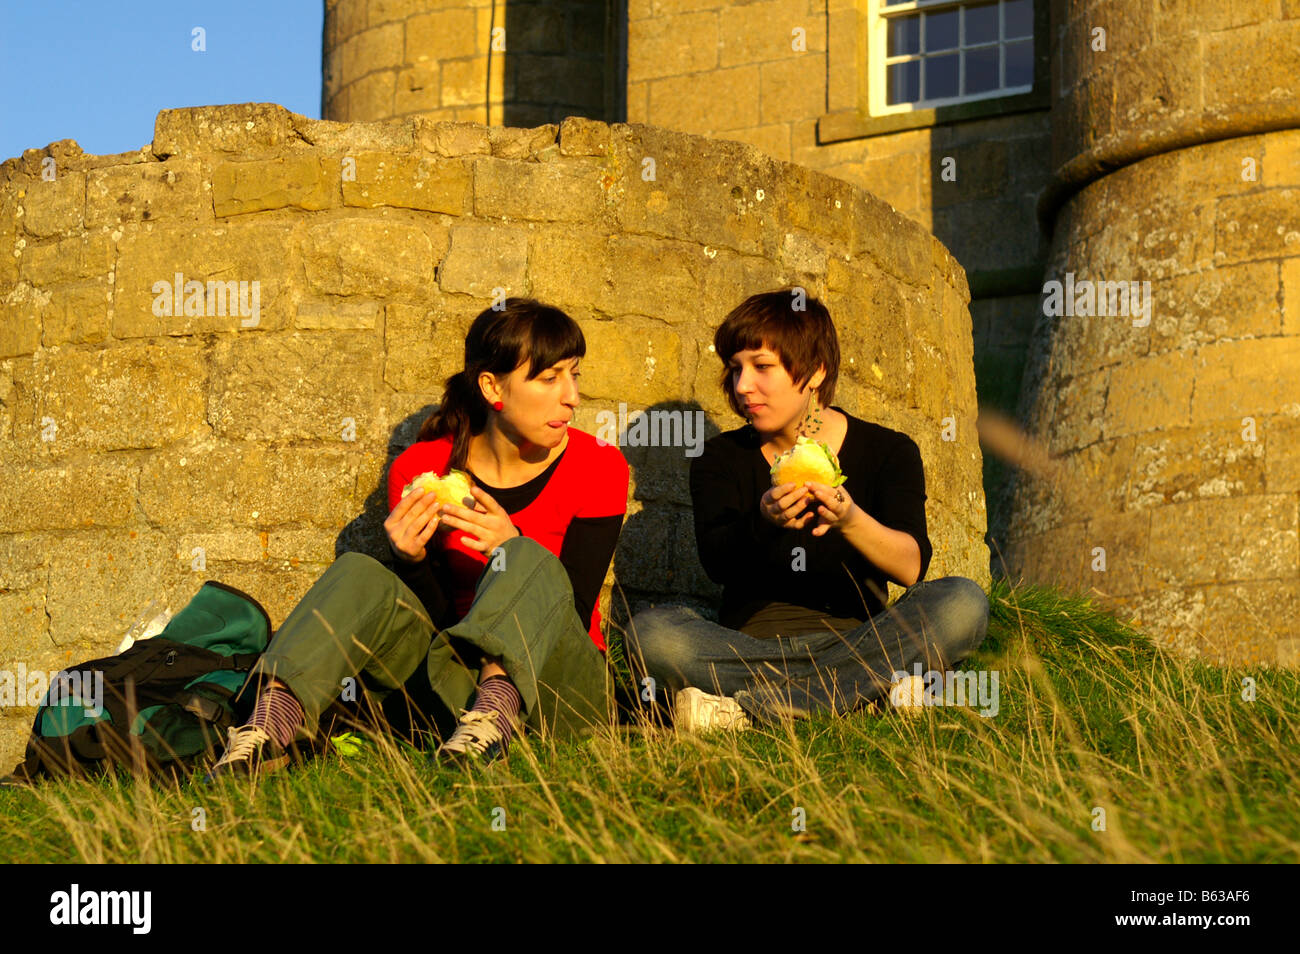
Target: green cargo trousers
360,620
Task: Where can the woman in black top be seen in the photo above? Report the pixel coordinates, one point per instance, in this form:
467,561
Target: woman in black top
802,626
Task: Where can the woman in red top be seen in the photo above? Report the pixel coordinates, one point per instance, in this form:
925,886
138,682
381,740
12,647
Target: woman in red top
497,601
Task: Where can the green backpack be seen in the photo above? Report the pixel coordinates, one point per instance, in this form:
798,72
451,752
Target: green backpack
159,707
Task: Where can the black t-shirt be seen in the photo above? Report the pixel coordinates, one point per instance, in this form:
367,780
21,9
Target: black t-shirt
769,587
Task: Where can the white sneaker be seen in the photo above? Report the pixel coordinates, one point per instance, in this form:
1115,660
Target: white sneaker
697,711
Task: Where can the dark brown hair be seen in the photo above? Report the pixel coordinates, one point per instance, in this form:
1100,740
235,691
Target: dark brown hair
803,340
498,342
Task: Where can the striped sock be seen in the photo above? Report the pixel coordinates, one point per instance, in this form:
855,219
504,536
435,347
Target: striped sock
498,694
277,713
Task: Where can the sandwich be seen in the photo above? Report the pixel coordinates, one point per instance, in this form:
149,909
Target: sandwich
451,489
807,460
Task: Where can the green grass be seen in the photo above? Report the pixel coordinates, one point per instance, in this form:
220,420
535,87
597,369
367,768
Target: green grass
1091,716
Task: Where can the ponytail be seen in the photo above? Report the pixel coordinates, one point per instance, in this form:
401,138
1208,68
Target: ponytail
461,414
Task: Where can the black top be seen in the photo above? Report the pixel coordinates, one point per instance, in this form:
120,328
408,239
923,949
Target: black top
769,588
584,553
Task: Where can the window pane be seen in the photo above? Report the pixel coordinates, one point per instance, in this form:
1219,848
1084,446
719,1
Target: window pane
982,69
941,30
904,36
981,24
1020,63
941,76
1019,17
904,82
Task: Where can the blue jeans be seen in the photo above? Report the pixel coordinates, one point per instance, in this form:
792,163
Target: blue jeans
936,622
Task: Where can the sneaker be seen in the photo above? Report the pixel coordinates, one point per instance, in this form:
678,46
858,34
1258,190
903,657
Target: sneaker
250,751
477,738
697,711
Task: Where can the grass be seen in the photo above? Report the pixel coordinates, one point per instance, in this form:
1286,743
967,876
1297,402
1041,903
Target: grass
1091,716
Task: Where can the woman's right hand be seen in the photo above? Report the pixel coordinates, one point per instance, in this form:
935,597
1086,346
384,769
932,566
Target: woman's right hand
786,506
411,524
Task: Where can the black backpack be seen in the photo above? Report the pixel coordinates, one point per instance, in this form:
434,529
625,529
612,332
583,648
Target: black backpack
163,705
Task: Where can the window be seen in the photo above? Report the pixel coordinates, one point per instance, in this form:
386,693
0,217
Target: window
928,53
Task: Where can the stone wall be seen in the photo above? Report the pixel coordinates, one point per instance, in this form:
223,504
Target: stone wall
1177,478
144,453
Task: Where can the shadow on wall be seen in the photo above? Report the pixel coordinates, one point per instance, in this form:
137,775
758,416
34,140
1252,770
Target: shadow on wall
656,560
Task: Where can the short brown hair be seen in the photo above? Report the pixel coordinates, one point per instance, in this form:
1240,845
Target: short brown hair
803,339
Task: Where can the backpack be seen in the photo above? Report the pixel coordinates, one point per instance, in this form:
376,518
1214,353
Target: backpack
160,706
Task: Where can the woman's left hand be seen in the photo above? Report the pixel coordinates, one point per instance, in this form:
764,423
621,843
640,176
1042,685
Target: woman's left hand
835,507
488,522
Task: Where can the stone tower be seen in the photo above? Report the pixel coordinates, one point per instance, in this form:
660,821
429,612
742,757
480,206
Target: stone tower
1175,434
487,61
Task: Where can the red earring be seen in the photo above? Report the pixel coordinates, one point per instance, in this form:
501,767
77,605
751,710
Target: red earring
497,406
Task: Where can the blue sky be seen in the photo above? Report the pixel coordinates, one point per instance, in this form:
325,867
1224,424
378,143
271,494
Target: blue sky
98,71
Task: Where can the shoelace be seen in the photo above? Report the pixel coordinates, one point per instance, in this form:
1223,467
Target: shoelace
242,742
477,730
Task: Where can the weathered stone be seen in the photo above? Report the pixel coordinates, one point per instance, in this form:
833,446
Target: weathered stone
1259,225
1246,624
1291,296
77,313
453,139
337,315
1222,553
238,128
151,191
90,255
66,495
410,182
1239,378
420,344
509,142
300,182
132,396
482,258
540,192
272,388
231,278
636,356
1149,394
55,206
1195,463
365,256
672,44
584,137
442,35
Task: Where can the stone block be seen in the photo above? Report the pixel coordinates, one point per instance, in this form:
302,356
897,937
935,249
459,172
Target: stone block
365,256
452,138
1235,379
275,388
725,102
410,182
118,398
1291,297
540,192
417,89
672,45
1205,308
66,495
762,32
55,206
225,283
1224,552
150,191
372,96
423,346
484,257
76,313
1196,463
295,182
1247,624
1148,394
443,35
337,315
639,359
1257,225
238,128
86,256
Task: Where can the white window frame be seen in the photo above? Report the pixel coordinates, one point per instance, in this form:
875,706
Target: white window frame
878,17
